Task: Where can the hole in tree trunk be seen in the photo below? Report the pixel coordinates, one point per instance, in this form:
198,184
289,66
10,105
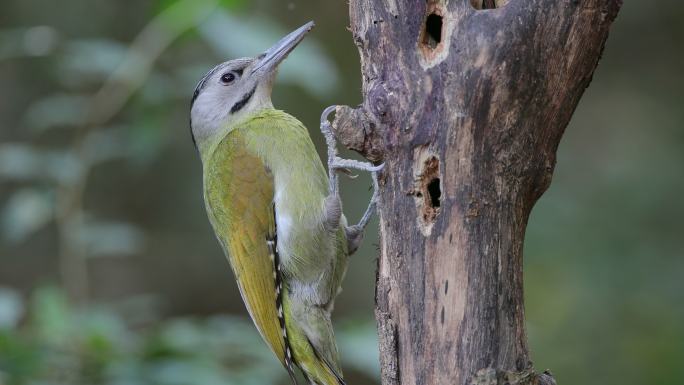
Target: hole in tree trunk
435,192
487,4
433,31
429,191
433,41
427,188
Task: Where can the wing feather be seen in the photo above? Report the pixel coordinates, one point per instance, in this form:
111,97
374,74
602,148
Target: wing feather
239,198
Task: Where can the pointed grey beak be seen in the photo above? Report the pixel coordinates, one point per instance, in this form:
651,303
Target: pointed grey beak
270,59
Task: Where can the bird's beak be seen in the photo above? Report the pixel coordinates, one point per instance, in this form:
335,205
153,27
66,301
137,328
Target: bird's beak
270,59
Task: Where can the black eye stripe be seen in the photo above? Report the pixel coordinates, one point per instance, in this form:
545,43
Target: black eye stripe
239,71
243,102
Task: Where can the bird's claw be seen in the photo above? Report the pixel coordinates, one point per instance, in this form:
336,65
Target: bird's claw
326,113
335,163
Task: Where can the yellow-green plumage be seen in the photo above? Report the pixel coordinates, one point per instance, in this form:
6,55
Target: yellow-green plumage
261,178
238,190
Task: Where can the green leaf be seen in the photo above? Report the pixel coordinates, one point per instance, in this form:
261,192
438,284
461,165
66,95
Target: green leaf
26,211
51,318
19,360
228,4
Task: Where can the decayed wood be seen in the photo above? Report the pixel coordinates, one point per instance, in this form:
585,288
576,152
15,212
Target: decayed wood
466,108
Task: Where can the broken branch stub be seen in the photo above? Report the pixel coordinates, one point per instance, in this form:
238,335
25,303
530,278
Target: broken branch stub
355,130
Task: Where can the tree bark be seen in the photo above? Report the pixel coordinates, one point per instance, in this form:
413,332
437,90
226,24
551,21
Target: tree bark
466,108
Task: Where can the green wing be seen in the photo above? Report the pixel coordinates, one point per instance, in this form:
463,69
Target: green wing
239,198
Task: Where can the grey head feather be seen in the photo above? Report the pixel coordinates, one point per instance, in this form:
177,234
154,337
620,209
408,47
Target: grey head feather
239,66
198,89
203,82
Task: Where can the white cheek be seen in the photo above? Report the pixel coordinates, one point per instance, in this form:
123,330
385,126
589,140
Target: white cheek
208,114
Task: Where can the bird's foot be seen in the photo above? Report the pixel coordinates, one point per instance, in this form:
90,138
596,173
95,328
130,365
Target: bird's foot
335,164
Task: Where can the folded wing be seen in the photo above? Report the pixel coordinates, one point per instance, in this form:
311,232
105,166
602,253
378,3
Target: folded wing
239,197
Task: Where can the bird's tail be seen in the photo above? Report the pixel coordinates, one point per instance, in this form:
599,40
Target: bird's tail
311,338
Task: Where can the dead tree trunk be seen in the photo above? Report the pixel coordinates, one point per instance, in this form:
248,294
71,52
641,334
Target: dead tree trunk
466,107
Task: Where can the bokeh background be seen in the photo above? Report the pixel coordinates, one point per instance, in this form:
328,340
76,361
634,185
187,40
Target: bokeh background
110,274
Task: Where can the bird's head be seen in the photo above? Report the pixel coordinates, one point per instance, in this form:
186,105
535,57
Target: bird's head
237,88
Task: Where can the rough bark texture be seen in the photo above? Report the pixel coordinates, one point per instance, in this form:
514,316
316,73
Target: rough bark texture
466,107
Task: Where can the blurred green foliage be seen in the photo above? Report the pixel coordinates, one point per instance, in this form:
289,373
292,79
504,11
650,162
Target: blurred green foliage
110,108
100,195
60,344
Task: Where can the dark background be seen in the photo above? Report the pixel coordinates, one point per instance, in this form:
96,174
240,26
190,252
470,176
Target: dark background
110,273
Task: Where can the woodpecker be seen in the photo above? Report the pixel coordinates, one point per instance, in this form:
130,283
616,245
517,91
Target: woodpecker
274,210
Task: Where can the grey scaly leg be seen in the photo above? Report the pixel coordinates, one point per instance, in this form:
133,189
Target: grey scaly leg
335,163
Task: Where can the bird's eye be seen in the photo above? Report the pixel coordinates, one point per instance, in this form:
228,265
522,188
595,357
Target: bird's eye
227,78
